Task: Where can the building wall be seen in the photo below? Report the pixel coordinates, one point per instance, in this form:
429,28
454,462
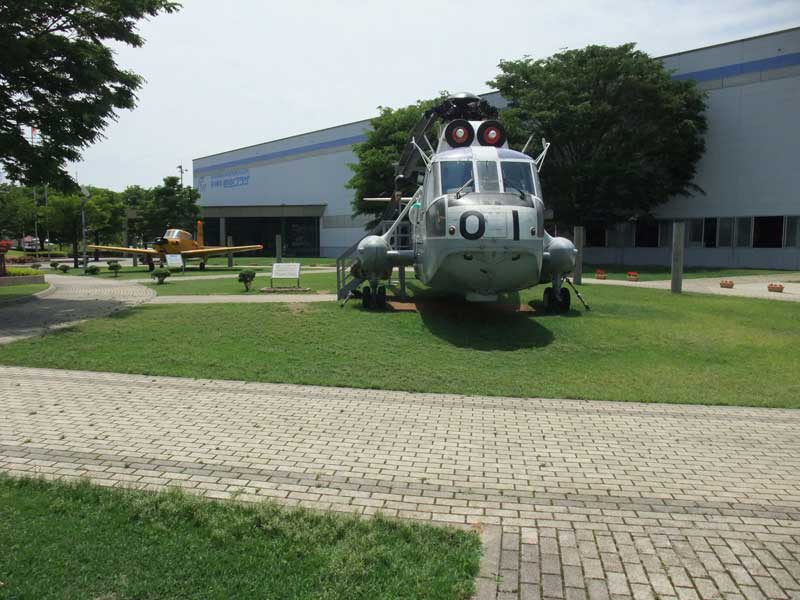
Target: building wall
293,173
750,168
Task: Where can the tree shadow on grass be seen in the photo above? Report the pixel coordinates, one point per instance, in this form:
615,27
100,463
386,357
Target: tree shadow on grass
39,315
490,326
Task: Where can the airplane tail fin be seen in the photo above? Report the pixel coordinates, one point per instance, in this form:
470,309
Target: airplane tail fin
200,239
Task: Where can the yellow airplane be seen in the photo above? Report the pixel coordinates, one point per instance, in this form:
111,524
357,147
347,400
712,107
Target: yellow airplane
177,242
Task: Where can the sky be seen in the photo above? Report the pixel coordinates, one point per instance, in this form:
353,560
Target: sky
222,75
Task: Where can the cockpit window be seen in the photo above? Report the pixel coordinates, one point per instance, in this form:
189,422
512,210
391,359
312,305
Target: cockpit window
512,199
172,234
487,176
517,175
455,173
435,219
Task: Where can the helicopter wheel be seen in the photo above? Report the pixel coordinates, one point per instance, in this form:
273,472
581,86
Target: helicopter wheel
563,302
380,297
366,298
203,266
549,300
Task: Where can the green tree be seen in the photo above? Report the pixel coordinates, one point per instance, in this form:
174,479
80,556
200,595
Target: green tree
625,136
58,74
373,174
134,196
17,211
170,204
64,220
105,214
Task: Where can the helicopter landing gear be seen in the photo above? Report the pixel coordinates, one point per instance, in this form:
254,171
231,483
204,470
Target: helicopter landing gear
366,297
373,299
380,297
556,299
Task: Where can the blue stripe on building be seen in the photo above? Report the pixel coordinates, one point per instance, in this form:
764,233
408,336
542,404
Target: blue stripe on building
753,66
348,141
776,62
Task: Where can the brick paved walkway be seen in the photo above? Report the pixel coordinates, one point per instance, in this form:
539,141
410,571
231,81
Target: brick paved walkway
575,500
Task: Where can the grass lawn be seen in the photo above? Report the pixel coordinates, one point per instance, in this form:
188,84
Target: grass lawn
79,541
655,272
321,283
7,292
636,344
263,261
143,273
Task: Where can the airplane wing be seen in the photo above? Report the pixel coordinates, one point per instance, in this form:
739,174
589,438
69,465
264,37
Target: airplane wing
219,250
146,251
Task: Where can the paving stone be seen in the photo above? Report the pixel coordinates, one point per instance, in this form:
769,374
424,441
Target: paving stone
574,500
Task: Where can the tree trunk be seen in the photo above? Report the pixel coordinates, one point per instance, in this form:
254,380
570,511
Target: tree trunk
97,243
75,253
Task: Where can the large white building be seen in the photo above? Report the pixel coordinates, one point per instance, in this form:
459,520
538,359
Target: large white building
749,215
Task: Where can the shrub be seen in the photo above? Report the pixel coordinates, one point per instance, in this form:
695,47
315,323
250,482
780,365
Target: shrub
54,265
63,268
36,266
114,267
160,274
20,260
92,270
246,277
20,272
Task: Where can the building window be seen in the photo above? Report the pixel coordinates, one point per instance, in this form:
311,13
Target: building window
695,237
767,232
710,233
725,237
595,235
665,234
792,232
743,230
646,234
628,234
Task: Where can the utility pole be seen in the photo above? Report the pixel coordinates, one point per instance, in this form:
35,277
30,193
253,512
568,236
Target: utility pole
85,196
47,223
182,170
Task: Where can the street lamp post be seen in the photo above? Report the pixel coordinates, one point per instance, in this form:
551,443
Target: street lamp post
85,197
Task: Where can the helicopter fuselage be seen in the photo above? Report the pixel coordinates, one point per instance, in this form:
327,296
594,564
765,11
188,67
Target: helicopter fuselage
481,237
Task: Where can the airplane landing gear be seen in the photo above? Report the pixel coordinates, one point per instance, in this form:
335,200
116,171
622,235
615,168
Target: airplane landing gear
151,266
373,299
203,266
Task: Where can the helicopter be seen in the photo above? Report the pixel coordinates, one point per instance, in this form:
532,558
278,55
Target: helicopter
477,219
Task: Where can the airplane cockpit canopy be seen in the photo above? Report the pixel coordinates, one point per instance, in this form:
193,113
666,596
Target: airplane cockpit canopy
177,234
